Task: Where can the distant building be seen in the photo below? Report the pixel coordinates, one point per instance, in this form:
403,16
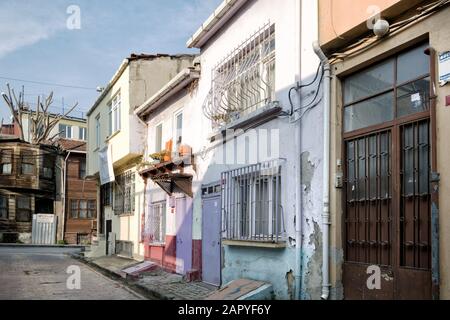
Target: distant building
27,186
117,144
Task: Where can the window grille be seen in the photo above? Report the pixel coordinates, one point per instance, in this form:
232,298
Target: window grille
251,203
157,222
244,80
124,194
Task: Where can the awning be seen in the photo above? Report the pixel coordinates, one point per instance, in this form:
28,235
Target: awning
175,183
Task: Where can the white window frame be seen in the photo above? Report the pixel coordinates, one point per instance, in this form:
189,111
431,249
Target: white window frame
115,112
82,133
176,145
67,133
161,124
98,131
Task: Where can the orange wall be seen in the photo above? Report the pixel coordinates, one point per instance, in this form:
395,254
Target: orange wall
340,16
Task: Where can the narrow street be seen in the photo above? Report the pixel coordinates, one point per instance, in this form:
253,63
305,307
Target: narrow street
41,274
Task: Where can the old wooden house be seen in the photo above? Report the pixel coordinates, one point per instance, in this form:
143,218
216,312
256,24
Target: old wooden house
27,186
79,205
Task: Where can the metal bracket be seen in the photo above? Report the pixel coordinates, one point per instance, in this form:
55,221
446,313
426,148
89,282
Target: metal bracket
435,177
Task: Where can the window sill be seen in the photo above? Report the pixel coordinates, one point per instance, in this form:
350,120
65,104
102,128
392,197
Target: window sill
123,215
255,244
249,121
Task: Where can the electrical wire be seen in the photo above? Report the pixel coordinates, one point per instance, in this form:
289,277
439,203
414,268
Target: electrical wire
48,83
299,87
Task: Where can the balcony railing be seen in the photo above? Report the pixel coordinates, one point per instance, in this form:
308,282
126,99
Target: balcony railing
244,80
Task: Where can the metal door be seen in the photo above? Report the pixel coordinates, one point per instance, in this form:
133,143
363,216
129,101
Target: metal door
388,212
211,244
44,229
184,235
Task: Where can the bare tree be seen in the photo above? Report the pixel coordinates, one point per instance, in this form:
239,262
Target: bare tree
42,121
16,106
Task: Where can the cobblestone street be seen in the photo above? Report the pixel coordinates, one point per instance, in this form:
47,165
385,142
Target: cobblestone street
41,274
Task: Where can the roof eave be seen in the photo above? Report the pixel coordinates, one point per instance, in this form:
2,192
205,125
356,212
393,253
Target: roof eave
179,82
212,25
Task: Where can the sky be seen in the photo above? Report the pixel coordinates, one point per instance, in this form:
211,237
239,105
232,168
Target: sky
81,43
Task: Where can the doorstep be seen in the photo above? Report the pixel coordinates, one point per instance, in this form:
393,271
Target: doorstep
154,282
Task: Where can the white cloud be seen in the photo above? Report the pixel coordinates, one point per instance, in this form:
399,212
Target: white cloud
26,23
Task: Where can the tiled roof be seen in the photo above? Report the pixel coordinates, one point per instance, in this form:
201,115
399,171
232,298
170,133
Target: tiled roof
72,145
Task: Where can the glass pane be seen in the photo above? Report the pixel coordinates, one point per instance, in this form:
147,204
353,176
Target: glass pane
83,214
5,168
413,97
158,138
27,168
424,159
370,112
369,82
412,64
23,203
408,161
362,169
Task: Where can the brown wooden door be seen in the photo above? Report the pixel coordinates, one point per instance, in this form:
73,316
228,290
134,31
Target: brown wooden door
388,212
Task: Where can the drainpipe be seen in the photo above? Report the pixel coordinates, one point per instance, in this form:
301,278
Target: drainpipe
326,218
298,179
64,179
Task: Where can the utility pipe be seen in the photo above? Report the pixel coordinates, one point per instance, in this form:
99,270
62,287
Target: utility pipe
326,221
64,195
298,178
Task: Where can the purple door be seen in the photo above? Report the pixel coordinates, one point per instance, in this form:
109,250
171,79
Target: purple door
211,230
184,234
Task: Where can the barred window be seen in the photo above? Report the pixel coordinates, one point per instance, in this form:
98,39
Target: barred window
251,203
124,194
6,162
157,222
245,79
3,206
106,194
23,209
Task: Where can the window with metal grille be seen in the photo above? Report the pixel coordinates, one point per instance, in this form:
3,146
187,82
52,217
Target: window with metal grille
251,203
157,222
4,206
23,209
244,80
6,162
124,190
28,160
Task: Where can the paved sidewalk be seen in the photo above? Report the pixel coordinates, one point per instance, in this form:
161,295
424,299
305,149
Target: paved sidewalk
157,283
